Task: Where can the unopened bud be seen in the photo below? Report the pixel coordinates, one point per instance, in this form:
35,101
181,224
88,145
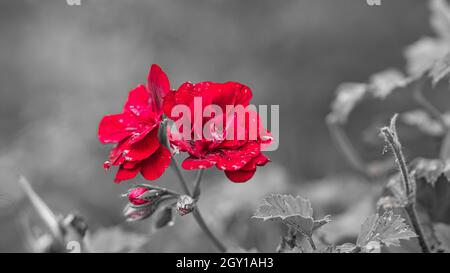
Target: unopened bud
185,205
137,213
142,195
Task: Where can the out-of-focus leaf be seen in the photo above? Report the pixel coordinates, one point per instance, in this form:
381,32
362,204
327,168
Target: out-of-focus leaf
114,239
423,54
347,96
442,233
433,188
440,69
423,121
388,203
165,217
345,248
42,209
383,83
295,212
431,170
445,149
387,229
440,18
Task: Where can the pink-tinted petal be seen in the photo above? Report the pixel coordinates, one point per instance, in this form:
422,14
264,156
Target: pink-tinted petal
126,174
154,166
192,163
159,86
239,176
114,128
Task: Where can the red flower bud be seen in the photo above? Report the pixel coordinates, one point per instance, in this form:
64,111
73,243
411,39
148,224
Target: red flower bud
142,195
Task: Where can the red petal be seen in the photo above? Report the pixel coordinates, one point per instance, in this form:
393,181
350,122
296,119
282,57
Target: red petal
192,163
143,148
259,160
159,86
229,93
114,128
154,166
239,176
126,174
138,100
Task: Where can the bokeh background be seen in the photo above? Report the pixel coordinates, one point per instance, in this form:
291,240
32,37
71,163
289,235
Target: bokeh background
63,67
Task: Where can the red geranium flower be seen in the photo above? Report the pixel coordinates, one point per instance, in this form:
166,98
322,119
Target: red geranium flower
135,131
238,157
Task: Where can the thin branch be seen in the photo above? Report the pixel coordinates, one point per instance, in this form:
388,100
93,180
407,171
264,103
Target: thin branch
344,144
428,106
180,176
198,217
198,180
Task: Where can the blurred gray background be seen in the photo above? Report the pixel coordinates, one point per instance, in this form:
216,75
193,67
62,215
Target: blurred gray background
63,67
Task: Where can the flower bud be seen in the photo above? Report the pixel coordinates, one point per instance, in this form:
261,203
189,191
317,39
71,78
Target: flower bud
142,195
185,205
137,213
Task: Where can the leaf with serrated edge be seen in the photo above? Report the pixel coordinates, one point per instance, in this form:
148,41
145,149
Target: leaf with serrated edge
431,169
295,212
386,229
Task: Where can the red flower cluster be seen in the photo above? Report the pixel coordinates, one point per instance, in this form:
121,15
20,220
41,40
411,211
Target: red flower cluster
237,155
135,130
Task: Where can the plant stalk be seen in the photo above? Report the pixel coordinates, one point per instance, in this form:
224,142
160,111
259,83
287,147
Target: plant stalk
196,212
391,137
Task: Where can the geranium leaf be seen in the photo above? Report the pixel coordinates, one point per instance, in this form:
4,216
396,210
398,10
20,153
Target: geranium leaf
384,83
295,212
165,217
347,96
440,70
431,170
387,229
423,121
440,17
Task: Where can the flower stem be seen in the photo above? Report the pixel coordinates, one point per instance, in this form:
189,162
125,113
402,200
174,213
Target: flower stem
198,217
196,212
311,242
180,176
391,137
343,143
412,214
198,180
